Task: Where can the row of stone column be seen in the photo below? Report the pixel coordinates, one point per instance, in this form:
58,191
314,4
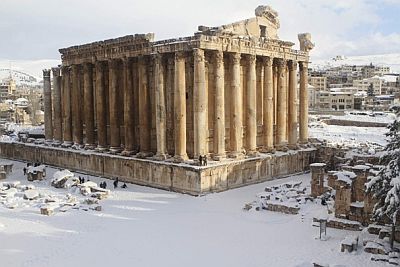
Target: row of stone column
67,125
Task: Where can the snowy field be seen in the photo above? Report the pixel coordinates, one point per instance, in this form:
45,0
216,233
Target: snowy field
141,226
350,136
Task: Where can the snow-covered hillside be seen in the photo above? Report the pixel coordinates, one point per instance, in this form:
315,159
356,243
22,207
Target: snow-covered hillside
391,60
26,71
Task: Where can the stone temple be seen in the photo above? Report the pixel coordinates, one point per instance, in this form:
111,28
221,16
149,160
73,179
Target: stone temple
145,110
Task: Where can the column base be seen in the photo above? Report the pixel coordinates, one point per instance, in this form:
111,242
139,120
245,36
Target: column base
282,147
66,144
115,150
160,156
49,142
252,153
303,142
101,149
127,153
293,146
144,154
76,146
56,143
219,157
180,158
270,150
90,146
236,155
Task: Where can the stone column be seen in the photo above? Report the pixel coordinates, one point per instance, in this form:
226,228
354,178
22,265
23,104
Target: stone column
89,105
219,115
48,110
282,107
303,102
236,127
180,108
57,106
129,111
67,118
77,133
144,110
251,105
115,135
199,104
101,108
161,120
268,108
293,105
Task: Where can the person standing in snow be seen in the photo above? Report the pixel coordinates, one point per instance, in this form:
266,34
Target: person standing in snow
116,183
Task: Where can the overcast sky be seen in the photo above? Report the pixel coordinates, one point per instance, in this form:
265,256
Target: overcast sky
36,29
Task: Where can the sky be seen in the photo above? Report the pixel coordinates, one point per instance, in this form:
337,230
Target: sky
36,29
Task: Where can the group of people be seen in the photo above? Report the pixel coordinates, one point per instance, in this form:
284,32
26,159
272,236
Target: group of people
203,160
103,185
115,183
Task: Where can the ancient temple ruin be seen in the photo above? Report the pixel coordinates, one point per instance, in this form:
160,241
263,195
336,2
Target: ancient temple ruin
229,93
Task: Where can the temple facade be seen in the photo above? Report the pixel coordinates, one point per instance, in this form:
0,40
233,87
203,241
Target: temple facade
228,91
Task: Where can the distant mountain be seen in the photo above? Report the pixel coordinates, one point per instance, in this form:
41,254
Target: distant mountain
391,60
26,71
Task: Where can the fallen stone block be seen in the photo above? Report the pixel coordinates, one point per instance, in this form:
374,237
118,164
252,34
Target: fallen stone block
375,248
31,194
46,211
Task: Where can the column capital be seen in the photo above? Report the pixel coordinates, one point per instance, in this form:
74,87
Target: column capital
99,65
87,66
198,55
292,65
56,71
267,61
179,55
75,67
281,63
252,59
113,63
157,58
236,58
219,56
126,61
46,73
303,65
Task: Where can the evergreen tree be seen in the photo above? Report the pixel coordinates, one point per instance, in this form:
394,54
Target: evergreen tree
386,185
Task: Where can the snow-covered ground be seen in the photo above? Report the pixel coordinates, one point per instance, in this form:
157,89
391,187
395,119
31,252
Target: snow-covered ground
141,226
350,136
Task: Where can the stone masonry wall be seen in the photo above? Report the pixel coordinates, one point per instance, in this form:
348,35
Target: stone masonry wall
170,176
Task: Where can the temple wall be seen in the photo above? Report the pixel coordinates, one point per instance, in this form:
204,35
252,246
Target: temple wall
170,176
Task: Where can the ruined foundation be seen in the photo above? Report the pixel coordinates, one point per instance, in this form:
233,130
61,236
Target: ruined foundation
182,178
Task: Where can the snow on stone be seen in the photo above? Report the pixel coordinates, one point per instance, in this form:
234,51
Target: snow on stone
138,221
345,176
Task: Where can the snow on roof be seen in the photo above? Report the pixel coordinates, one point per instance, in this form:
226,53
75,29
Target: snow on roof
389,78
